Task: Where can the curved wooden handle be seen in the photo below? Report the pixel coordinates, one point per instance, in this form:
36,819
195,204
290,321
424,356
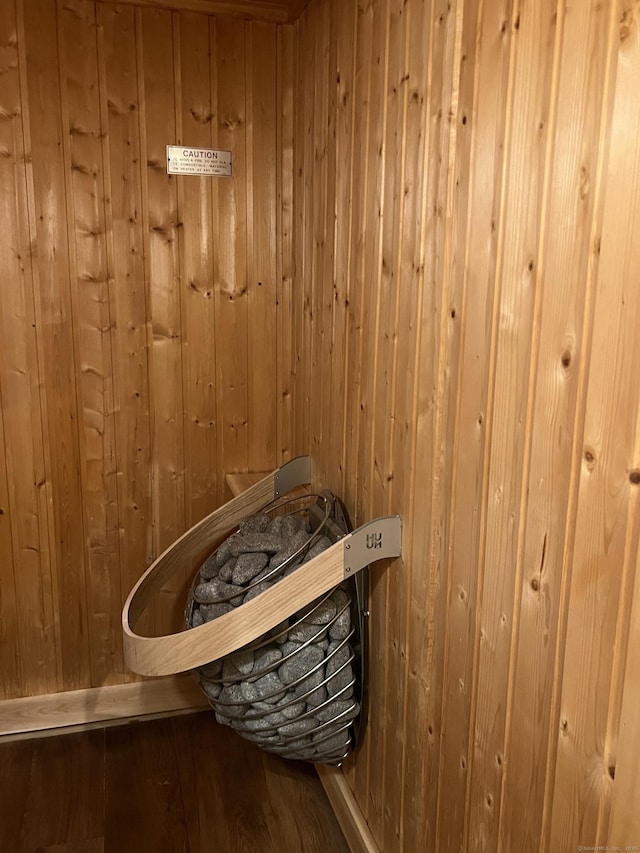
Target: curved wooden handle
195,647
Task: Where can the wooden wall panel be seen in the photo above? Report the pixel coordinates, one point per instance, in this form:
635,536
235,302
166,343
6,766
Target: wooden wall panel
125,385
89,278
195,117
261,250
230,258
483,302
52,244
27,595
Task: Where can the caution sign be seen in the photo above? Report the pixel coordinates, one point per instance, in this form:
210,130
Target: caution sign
182,160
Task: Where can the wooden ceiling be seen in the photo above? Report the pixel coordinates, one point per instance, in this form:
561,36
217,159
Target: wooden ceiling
276,11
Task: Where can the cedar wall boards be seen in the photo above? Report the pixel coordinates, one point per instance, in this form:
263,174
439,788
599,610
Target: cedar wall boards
433,222
467,327
132,305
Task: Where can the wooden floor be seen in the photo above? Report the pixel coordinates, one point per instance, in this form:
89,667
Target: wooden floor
183,784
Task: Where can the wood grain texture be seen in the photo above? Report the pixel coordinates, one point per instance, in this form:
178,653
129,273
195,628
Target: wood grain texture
24,520
167,785
468,281
345,808
275,11
96,705
125,380
450,305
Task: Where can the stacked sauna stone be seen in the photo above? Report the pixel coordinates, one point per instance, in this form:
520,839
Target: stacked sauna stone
292,691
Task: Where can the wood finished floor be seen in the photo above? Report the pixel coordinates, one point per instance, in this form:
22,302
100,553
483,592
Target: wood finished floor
183,784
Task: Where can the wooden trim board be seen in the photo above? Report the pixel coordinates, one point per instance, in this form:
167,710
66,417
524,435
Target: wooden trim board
352,823
272,12
34,715
239,483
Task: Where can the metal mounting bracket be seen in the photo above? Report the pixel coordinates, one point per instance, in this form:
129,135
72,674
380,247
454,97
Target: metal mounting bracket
375,540
296,472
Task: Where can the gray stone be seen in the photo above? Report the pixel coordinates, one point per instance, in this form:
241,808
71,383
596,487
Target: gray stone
336,743
300,665
303,631
224,551
275,526
212,591
266,657
266,685
248,566
232,700
290,547
238,664
226,572
339,682
317,548
268,721
255,542
279,633
256,590
290,647
263,739
267,572
256,523
323,613
209,568
291,524
341,627
212,611
248,691
220,718
197,618
338,709
210,670
318,696
298,727
289,708
305,754
271,717
212,689
338,654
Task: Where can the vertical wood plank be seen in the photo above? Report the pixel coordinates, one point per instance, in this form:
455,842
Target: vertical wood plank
285,115
404,815
261,245
354,330
54,321
299,436
195,119
344,15
567,259
604,550
516,292
383,760
10,652
230,262
428,576
91,311
318,354
625,818
306,50
486,40
161,224
129,335
29,644
366,772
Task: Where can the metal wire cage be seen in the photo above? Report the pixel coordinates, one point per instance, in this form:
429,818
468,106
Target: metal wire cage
299,689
